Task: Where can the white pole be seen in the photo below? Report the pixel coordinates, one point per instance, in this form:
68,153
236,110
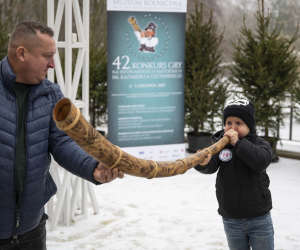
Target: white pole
85,70
66,203
50,23
68,47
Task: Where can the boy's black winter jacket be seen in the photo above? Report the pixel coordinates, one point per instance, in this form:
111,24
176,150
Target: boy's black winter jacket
242,185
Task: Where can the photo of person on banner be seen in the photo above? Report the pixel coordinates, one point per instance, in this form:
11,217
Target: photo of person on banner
146,38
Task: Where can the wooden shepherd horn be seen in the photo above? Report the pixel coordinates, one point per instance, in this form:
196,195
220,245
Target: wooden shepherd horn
69,119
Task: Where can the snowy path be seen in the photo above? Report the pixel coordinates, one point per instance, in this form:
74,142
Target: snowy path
175,213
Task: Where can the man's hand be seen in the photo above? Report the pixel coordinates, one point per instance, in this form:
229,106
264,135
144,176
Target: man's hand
233,135
105,175
206,161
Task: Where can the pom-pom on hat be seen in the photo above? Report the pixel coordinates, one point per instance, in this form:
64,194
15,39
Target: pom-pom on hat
243,109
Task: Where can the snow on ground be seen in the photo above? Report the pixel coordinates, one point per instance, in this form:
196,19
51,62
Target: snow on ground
175,213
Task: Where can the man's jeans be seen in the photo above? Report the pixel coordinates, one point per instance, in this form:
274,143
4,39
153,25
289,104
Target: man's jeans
256,232
32,240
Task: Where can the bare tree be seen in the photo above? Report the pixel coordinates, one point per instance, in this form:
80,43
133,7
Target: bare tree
14,11
287,13
208,5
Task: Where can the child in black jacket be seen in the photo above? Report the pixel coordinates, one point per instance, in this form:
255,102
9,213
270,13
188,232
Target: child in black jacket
242,182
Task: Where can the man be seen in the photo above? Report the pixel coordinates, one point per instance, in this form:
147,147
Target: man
28,135
147,38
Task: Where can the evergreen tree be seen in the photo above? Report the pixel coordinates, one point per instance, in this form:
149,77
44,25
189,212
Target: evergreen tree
266,67
4,38
98,63
296,99
205,94
98,84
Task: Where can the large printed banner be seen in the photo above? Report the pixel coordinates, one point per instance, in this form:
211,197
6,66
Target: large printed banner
146,45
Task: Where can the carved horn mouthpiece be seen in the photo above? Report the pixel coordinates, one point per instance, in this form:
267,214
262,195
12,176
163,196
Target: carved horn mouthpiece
69,119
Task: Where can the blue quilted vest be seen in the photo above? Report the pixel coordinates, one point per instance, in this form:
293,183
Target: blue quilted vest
42,138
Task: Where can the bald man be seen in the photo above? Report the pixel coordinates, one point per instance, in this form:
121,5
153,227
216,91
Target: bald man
28,135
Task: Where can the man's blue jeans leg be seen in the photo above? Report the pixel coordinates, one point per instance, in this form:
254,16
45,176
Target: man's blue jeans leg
256,232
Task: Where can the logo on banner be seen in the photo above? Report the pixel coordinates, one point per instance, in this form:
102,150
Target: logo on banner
146,38
225,155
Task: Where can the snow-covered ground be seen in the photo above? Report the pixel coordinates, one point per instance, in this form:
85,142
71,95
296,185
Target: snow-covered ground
175,213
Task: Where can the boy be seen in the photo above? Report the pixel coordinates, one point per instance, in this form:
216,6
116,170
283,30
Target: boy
242,182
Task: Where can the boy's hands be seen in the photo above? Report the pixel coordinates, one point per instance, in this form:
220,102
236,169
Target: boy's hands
233,135
206,161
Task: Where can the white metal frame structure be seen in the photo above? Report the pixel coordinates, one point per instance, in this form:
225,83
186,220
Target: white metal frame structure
67,201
